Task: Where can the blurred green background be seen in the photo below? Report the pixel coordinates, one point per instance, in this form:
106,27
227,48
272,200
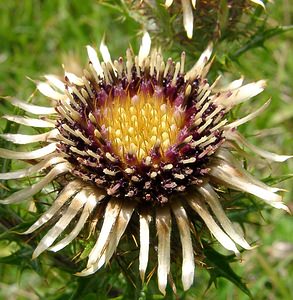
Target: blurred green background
38,36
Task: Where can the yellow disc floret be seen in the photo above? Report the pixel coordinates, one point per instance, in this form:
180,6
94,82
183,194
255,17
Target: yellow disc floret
138,124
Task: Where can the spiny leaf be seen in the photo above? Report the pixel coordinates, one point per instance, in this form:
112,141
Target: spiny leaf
277,179
259,38
220,267
22,259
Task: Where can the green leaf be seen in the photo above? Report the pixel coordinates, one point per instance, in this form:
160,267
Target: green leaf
259,38
220,267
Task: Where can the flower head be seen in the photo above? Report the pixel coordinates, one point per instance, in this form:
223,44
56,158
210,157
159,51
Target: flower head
187,9
140,141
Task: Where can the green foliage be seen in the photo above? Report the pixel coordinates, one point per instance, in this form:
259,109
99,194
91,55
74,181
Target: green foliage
220,267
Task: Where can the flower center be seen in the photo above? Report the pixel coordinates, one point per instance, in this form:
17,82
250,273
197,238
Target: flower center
138,124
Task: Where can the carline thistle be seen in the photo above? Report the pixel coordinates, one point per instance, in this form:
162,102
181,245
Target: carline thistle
137,142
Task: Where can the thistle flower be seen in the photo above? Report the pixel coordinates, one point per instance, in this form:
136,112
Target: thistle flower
138,142
187,8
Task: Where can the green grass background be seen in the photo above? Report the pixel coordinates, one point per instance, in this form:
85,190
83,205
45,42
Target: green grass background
37,37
